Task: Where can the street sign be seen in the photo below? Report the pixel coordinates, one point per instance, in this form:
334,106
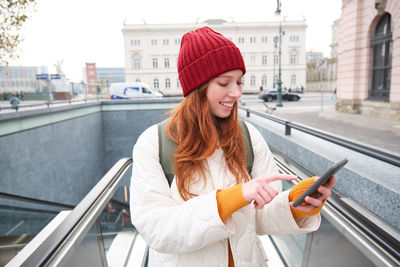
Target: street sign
43,76
322,63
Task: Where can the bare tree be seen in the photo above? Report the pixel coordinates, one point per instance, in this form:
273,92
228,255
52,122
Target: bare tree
13,14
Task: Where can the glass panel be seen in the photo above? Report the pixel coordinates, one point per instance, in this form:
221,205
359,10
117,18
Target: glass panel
379,56
378,80
20,222
291,247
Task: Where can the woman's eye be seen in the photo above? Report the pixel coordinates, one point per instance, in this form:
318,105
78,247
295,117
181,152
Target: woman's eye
223,84
239,83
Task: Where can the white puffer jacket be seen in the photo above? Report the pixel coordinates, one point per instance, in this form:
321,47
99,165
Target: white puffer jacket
191,233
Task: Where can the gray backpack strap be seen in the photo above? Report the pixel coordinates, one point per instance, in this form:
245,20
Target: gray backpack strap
248,145
166,151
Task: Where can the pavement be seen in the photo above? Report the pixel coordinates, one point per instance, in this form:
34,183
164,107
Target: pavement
377,132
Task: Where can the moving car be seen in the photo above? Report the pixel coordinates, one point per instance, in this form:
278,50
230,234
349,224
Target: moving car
131,90
270,95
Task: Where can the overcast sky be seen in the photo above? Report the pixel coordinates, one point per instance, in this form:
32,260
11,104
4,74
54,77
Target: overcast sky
79,31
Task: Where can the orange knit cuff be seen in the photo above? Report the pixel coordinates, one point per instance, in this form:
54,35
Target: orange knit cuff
230,200
296,192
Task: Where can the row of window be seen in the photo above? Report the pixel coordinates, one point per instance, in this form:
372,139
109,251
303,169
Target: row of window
154,42
167,81
18,83
18,73
240,40
138,65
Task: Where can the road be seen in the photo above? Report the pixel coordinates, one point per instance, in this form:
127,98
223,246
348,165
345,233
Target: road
310,102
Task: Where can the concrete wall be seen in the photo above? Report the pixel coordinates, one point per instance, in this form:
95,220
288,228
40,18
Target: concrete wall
122,128
58,162
59,154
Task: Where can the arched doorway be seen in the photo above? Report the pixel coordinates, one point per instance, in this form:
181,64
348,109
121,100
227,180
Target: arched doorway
381,45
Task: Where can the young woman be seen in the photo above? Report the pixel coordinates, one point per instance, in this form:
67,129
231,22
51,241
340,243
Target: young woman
205,217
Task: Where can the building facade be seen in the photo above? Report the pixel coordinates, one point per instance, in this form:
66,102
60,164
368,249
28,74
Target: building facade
369,58
93,86
151,53
19,79
322,71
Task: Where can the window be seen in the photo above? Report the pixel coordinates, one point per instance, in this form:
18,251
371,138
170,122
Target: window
241,40
167,83
253,81
276,40
293,79
252,40
264,39
294,38
177,41
165,42
135,42
156,84
166,63
253,60
178,83
381,45
136,63
137,80
293,59
155,63
276,60
264,60
264,80
154,42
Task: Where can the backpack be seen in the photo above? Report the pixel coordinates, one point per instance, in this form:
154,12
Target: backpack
167,148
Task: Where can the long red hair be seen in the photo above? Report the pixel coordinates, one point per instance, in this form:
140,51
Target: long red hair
198,134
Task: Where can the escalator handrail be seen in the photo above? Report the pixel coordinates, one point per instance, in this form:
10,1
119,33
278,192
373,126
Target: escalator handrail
382,239
45,250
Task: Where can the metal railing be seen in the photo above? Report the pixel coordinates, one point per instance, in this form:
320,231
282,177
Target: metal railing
380,245
353,145
62,239
54,103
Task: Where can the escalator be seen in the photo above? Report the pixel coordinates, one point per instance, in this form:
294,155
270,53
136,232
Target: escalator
98,232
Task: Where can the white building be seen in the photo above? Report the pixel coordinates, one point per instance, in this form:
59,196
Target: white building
19,78
151,52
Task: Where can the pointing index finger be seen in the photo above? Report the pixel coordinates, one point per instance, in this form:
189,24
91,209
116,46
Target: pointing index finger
277,177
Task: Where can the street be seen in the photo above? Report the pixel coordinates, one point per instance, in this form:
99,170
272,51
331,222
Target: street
309,102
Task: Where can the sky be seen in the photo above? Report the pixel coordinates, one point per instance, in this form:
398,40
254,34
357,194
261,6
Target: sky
79,31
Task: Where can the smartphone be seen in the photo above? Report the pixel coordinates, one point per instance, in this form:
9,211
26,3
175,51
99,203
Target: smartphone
322,180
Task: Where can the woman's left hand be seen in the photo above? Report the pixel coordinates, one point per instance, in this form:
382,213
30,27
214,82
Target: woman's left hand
317,199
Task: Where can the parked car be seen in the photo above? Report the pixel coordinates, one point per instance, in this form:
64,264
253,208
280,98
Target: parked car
270,95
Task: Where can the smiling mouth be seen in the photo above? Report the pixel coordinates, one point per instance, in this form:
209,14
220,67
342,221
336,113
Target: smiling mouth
229,105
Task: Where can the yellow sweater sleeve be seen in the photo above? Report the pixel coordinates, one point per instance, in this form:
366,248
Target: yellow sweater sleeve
230,200
296,192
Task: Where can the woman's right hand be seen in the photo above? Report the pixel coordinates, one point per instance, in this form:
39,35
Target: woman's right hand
259,190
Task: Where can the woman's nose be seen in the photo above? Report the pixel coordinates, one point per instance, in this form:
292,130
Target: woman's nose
236,91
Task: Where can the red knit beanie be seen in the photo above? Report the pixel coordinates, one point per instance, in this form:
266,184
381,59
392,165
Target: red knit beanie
204,55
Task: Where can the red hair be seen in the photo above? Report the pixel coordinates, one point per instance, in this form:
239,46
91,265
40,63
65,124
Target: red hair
198,134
